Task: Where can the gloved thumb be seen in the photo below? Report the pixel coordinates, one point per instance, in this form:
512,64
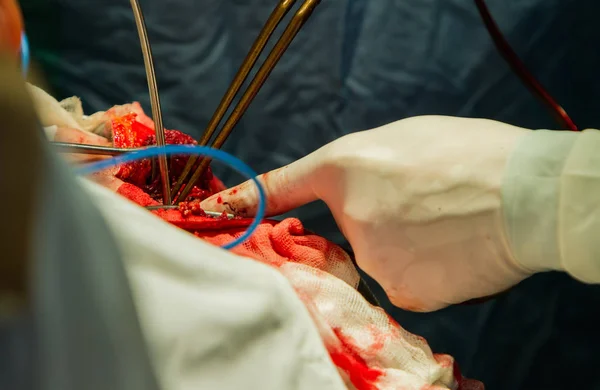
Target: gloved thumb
286,188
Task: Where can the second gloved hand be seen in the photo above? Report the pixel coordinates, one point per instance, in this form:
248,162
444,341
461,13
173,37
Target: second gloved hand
419,200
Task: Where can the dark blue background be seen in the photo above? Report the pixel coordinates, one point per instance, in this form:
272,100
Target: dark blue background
359,64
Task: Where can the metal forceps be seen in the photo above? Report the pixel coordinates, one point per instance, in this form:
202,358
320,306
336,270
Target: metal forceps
156,112
154,98
280,11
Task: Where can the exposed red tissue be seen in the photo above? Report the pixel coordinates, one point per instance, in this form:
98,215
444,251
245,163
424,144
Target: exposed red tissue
129,132
322,274
131,108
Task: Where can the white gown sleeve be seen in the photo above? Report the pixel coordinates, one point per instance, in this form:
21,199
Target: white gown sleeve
551,196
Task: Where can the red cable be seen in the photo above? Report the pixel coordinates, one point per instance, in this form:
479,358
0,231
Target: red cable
519,68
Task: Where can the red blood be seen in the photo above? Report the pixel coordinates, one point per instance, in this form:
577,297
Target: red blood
379,338
233,192
136,195
172,137
219,200
200,194
199,223
136,173
361,375
128,132
191,208
142,131
177,164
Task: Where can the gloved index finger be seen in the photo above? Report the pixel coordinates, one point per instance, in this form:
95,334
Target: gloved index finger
286,188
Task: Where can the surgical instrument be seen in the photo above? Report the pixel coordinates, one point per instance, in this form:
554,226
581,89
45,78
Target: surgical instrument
73,148
297,22
154,98
175,207
216,154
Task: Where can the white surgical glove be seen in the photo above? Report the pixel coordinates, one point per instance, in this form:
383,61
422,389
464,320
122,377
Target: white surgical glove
49,110
421,202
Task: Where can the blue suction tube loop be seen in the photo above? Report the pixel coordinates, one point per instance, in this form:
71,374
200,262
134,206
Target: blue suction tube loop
25,56
215,154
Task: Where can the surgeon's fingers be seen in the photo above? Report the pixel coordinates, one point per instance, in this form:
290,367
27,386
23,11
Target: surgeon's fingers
286,188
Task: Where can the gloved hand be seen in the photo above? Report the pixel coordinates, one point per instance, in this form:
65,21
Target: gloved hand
419,200
49,110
